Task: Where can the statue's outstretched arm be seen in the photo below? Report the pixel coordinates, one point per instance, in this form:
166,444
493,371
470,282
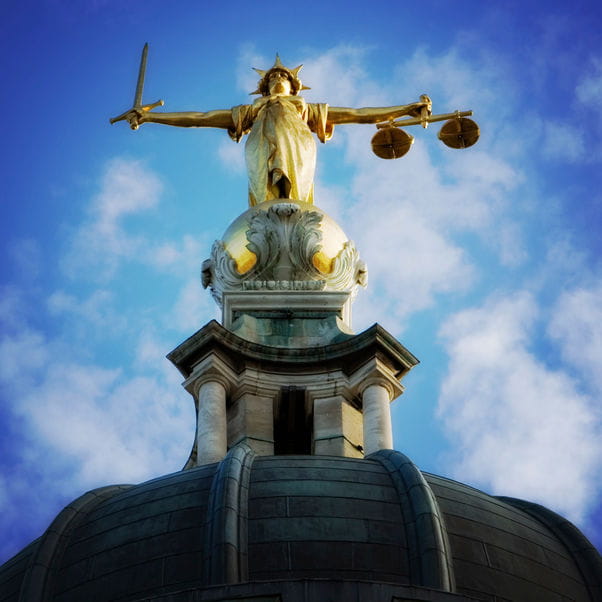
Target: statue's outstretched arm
338,115
210,119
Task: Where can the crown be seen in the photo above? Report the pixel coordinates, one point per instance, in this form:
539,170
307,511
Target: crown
293,74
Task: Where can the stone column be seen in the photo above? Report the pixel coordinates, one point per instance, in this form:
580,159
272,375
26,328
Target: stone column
378,433
211,427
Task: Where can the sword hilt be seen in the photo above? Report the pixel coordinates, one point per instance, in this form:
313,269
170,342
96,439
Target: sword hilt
148,107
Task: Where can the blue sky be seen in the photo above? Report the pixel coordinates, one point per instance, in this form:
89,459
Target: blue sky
485,263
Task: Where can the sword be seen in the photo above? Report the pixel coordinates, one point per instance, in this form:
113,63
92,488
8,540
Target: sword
138,94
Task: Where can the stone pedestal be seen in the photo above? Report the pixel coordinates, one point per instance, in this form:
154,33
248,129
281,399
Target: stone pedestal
329,400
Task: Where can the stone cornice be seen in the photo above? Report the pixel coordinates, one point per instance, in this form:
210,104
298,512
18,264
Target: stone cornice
238,353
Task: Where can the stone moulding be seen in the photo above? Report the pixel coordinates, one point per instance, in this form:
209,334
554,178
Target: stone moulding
285,239
429,550
214,337
225,530
283,285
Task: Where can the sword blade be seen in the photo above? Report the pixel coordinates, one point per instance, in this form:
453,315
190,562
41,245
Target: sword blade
140,83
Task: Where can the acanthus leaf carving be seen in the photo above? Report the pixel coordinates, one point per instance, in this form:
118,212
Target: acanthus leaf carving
285,240
344,274
304,242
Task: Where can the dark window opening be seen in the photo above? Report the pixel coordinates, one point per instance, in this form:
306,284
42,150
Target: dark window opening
293,422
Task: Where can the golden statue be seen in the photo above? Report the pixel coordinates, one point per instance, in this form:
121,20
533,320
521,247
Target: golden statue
280,151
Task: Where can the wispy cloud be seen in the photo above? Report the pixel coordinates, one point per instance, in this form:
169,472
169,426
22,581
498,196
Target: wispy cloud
407,216
79,425
589,88
193,307
103,241
576,325
518,426
563,142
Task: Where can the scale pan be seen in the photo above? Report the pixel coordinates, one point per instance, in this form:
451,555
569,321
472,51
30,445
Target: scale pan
459,132
391,143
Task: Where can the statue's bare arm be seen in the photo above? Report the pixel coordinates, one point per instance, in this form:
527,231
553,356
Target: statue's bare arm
210,119
338,115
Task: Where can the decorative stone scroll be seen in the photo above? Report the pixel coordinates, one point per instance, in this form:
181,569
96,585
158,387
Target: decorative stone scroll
285,240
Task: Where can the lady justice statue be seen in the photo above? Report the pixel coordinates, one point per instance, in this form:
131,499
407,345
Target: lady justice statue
280,151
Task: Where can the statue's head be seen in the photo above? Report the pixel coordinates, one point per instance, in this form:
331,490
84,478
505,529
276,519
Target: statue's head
279,79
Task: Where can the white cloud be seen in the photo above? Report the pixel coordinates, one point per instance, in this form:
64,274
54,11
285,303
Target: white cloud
107,241
127,187
576,324
563,142
510,245
102,242
406,214
182,257
405,282
22,355
193,307
589,89
519,428
248,60
99,309
232,155
106,424
462,78
339,77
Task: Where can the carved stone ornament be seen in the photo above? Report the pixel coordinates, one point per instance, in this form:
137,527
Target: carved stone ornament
285,240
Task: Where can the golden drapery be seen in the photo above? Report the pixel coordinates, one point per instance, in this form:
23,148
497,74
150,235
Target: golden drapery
280,144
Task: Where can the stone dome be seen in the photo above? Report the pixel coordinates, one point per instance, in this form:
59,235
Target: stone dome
297,528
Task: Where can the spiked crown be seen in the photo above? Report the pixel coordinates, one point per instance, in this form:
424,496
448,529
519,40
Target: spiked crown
293,75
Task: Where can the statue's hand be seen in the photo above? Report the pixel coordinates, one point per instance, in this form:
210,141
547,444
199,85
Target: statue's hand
135,117
423,108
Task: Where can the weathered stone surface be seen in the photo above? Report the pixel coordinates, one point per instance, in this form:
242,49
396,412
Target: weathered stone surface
212,435
251,421
378,433
314,527
499,549
338,428
329,381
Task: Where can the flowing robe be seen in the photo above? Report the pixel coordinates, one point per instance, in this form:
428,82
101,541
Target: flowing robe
280,145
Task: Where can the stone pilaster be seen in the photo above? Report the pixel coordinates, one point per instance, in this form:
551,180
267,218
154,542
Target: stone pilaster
337,428
251,421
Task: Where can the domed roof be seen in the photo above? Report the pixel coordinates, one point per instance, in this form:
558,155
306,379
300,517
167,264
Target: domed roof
295,528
